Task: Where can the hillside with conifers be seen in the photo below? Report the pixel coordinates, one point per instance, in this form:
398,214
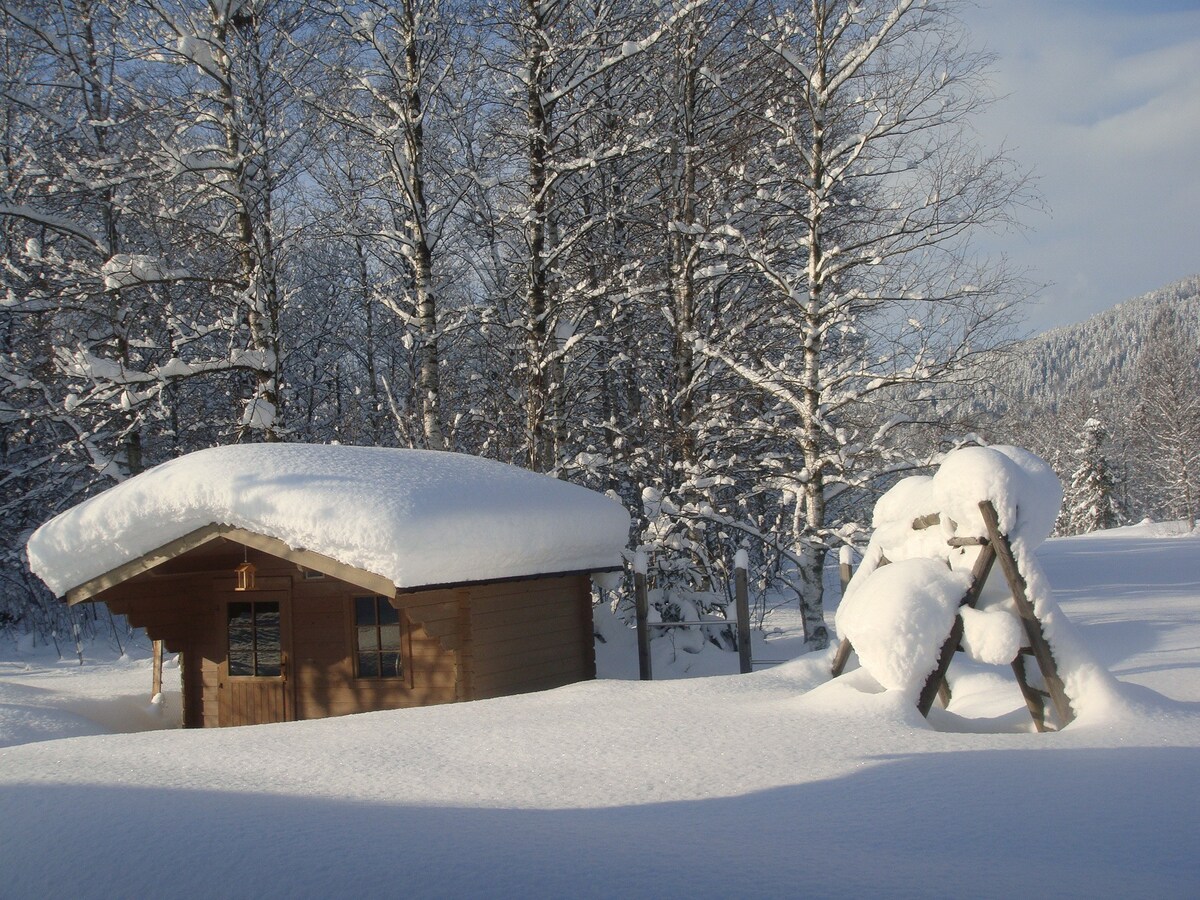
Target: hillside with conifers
1113,404
1097,355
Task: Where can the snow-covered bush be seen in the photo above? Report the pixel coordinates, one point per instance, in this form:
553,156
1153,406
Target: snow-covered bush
901,604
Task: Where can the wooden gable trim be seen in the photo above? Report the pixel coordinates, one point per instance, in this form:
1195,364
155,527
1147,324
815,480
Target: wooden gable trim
452,585
318,562
156,557
326,565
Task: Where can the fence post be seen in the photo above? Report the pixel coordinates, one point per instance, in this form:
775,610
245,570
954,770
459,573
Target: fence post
845,563
78,639
845,571
741,562
642,604
156,676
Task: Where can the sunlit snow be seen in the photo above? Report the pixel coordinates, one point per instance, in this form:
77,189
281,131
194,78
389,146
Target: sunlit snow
779,783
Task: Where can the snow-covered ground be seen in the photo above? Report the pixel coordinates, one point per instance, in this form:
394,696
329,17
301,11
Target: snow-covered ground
778,783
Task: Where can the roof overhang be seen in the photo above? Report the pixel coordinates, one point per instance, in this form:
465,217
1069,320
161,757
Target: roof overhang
508,578
318,562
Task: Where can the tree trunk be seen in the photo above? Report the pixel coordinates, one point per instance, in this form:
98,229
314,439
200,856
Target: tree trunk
540,454
428,377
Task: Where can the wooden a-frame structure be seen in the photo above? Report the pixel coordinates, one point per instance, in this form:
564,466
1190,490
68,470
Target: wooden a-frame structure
994,547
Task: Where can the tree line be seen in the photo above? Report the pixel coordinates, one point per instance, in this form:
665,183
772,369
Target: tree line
714,256
1128,448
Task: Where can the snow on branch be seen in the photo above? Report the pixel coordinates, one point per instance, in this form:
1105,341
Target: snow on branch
131,269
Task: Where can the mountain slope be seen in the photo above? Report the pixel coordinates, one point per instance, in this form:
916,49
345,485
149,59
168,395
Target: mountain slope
1098,353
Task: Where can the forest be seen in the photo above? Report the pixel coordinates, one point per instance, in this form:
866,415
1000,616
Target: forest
1112,403
714,256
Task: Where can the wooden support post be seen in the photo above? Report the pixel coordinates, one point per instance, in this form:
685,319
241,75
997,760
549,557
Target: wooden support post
841,658
937,678
78,640
844,648
1033,626
742,597
844,568
1033,699
944,693
156,677
643,628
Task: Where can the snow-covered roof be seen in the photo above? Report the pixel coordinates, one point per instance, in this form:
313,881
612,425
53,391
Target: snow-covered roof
412,517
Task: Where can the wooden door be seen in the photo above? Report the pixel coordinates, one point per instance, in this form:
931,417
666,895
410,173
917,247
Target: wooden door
255,686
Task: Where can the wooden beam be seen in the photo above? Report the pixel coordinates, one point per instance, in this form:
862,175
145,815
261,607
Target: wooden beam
507,579
957,542
1033,699
845,648
937,678
1033,626
309,559
944,693
157,557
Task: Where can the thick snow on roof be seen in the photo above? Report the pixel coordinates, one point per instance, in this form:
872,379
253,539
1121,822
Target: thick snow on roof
414,517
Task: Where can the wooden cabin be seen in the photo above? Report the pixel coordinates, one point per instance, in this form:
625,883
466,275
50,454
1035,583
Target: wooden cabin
271,631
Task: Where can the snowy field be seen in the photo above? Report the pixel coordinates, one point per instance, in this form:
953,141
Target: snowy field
774,784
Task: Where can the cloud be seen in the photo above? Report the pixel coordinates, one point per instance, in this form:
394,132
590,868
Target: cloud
1103,103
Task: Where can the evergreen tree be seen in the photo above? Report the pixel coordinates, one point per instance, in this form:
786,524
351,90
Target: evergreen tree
1092,502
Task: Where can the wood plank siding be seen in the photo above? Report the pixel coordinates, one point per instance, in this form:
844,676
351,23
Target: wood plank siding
470,642
530,635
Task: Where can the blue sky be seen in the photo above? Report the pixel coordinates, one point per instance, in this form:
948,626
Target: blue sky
1101,100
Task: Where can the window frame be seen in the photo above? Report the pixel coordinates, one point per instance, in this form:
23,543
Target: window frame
254,640
402,647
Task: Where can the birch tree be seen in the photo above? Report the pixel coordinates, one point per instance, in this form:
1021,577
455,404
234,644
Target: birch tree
555,54
79,190
233,143
407,60
856,224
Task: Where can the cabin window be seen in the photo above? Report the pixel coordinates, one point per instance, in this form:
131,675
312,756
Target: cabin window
377,638
255,647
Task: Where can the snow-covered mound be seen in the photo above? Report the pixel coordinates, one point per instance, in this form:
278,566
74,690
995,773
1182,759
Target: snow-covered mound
910,600
898,615
686,789
414,517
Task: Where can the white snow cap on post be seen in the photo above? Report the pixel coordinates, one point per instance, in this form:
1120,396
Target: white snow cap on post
414,517
640,563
